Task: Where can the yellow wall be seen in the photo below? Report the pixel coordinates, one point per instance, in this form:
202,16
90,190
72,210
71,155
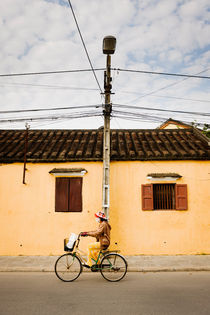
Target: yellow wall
173,126
29,224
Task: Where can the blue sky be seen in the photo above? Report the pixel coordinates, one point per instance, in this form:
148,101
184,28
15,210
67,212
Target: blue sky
163,36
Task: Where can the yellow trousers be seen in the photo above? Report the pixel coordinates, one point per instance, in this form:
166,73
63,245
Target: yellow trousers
93,251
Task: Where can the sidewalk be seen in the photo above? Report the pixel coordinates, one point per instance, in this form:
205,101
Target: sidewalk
135,263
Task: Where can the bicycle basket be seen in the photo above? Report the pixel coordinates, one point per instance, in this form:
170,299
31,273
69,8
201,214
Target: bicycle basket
70,243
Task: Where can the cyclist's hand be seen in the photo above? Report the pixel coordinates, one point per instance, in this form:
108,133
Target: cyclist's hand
84,234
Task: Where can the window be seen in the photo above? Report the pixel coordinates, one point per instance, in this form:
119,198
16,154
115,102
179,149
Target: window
68,194
164,197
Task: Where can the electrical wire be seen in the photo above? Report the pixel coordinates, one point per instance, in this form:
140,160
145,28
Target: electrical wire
85,48
99,105
20,85
137,119
152,120
163,73
165,96
136,116
182,98
49,109
76,115
143,117
49,72
167,86
54,116
162,110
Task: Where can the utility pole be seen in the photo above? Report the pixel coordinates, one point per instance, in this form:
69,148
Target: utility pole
109,44
25,153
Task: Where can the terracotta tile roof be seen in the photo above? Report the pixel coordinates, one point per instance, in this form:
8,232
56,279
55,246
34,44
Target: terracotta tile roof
87,145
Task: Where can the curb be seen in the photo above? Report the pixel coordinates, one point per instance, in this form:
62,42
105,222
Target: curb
129,270
170,269
135,263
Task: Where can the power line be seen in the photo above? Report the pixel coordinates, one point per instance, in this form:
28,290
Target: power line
49,109
102,69
115,114
163,73
167,86
73,116
162,110
200,124
55,115
99,105
84,46
50,72
165,96
182,98
136,117
47,86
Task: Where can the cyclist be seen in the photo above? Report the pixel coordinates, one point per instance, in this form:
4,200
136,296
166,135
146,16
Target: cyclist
102,235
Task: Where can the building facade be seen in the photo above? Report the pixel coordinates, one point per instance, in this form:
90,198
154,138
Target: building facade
159,190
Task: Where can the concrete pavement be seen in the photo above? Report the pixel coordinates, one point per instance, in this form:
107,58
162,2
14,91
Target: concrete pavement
135,263
150,293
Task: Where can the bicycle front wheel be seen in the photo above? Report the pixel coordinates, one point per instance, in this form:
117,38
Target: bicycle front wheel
113,267
68,267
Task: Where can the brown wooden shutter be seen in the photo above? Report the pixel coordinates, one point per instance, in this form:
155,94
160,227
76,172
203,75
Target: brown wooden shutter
62,194
147,197
75,198
181,196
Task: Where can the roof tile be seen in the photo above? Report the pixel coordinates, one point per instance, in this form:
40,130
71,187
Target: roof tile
87,145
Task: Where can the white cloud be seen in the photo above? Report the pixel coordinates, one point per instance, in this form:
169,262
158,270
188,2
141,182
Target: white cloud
40,35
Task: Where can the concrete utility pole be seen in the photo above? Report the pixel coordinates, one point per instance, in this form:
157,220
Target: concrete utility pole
109,44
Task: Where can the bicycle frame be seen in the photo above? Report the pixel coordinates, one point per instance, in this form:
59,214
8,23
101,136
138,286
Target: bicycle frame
69,266
78,252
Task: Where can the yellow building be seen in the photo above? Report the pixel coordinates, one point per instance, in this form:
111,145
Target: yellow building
159,190
174,124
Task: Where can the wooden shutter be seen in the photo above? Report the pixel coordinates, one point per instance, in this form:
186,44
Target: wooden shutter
181,196
62,194
147,197
75,198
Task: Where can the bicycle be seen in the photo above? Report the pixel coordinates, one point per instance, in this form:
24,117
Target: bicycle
68,267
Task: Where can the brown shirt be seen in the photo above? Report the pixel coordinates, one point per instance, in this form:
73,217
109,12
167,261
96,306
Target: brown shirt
102,234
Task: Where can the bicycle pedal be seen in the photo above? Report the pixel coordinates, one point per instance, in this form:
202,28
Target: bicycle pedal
95,268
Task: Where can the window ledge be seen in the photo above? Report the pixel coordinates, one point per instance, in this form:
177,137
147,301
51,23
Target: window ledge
163,176
58,172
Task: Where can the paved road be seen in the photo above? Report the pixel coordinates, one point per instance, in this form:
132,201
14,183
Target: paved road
139,293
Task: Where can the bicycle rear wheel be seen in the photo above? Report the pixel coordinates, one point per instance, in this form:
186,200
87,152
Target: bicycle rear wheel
113,267
68,267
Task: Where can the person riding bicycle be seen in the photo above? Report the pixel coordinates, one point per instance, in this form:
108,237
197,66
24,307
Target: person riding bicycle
102,235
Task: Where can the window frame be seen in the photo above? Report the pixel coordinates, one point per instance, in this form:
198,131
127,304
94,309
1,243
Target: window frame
181,197
72,203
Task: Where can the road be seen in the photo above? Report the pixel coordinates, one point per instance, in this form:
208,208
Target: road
138,293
